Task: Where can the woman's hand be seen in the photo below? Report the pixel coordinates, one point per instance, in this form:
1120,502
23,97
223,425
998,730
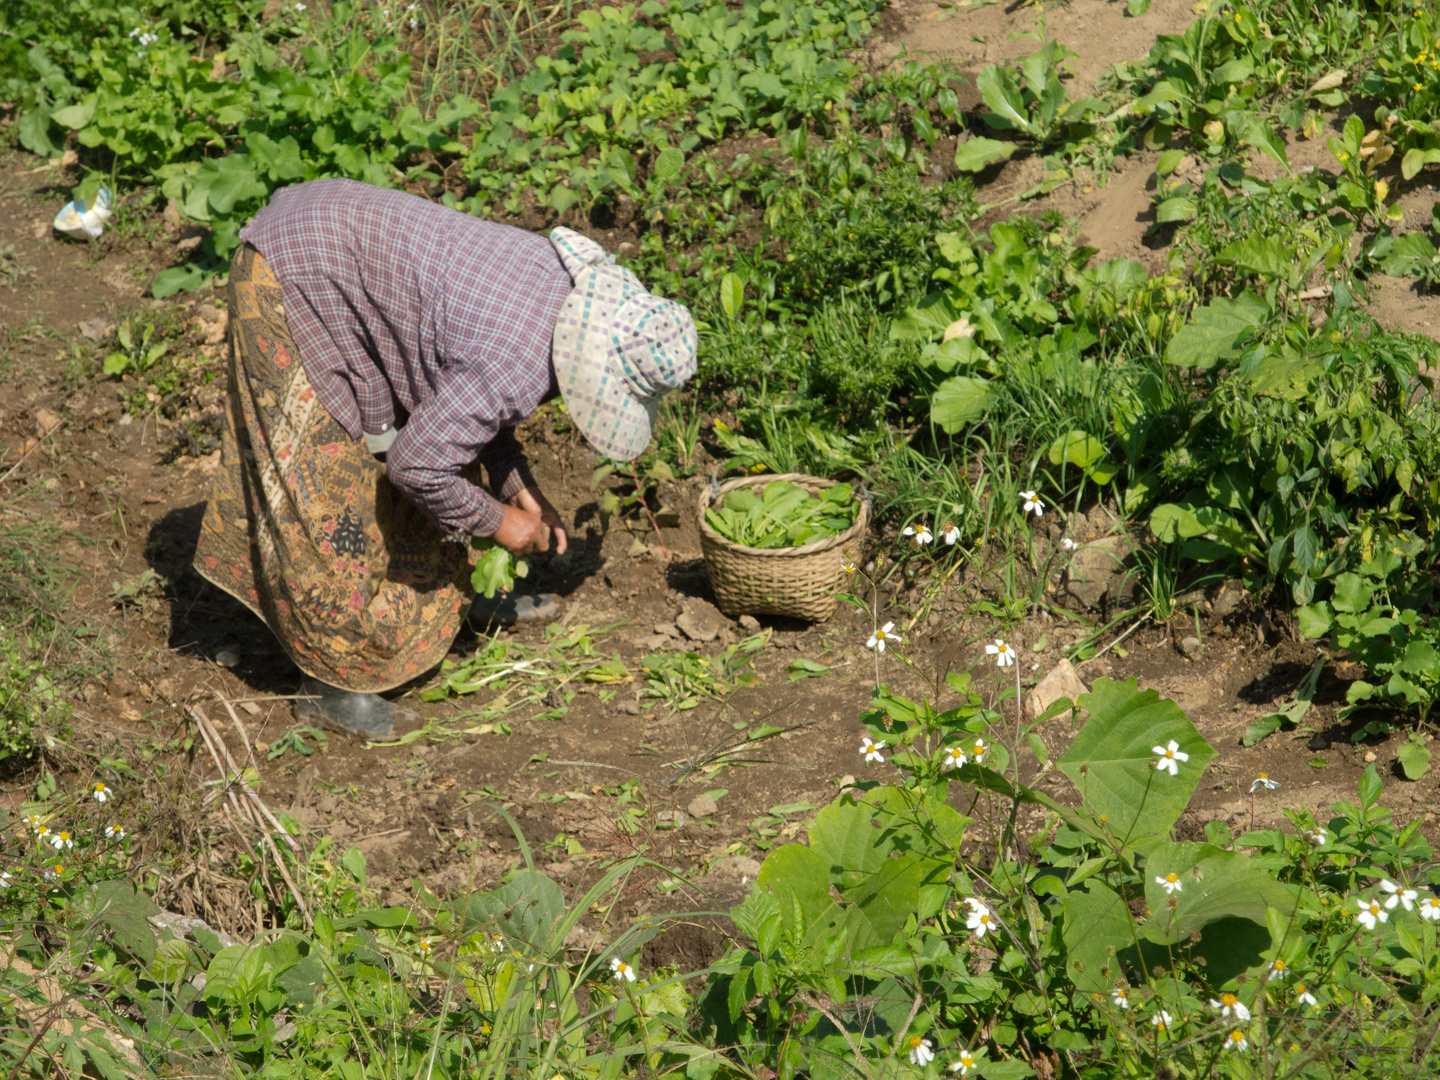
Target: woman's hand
529,521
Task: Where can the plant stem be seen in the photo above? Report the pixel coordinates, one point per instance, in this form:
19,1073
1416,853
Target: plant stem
640,497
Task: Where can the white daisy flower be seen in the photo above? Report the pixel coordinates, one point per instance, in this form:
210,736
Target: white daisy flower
871,749
62,839
883,635
1398,895
1066,544
966,1063
1230,1005
1316,836
115,832
1264,781
622,971
1236,1041
42,833
102,793
1162,1020
1279,969
53,873
950,533
979,920
1170,883
4,880
497,943
920,1052
1120,998
1430,908
1033,503
1304,996
1169,756
922,534
1371,913
954,758
424,946
33,820
1004,654
847,563
978,751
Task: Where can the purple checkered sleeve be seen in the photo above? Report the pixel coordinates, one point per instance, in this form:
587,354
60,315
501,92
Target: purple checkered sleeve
408,312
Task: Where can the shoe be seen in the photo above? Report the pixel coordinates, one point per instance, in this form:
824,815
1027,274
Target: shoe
369,715
511,608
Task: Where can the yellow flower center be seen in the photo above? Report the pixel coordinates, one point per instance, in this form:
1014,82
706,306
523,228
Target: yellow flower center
1228,999
1264,776
880,635
1172,878
1236,1036
915,1042
59,869
1279,965
1300,990
985,919
1169,753
1374,908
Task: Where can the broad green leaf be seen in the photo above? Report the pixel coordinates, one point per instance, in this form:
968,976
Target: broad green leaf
849,845
1096,921
1176,208
76,117
1113,761
1414,760
1352,595
1414,160
927,320
978,153
668,164
1215,330
732,295
1169,162
890,894
1213,885
170,962
230,181
960,400
1077,448
1007,109
1013,1068
1314,620
1259,134
1233,71
494,569
1412,253
178,279
799,878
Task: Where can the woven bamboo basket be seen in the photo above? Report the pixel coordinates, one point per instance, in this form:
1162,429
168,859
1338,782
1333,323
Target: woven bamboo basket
800,582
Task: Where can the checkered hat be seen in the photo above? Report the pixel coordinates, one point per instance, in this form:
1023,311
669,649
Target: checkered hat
617,349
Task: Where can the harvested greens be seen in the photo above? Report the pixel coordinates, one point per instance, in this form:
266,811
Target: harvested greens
783,515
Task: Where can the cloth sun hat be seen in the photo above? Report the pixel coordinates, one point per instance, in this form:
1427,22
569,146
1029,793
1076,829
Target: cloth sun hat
617,350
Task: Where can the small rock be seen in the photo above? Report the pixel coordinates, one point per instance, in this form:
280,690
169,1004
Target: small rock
46,421
702,806
228,656
848,780
667,517
1369,756
741,865
1318,742
1191,647
96,329
1095,570
250,707
185,926
701,621
1226,598
671,819
749,624
1061,681
629,707
171,217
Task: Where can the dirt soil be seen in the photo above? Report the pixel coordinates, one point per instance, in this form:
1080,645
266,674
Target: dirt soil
129,494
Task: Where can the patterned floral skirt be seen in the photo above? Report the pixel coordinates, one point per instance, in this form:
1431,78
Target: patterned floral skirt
302,526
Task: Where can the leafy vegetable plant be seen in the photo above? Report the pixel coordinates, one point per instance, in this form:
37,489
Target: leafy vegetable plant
782,515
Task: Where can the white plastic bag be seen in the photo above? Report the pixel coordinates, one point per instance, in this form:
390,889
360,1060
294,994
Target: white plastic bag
85,223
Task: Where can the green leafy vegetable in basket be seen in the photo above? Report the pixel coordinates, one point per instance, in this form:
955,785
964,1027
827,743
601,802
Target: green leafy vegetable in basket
783,515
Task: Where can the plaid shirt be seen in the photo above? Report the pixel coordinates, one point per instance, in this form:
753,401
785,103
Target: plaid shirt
410,313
